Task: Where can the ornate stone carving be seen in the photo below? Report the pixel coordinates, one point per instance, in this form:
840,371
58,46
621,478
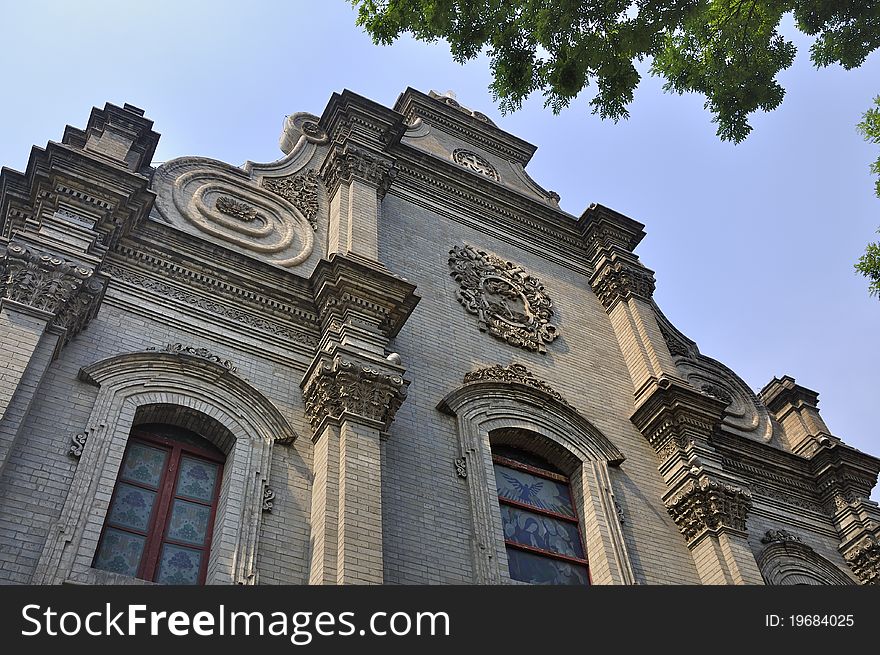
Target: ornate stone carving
706,504
619,280
314,132
772,536
676,347
204,353
461,467
268,499
300,190
77,443
509,303
50,283
340,386
513,373
350,162
476,163
716,392
213,198
232,207
864,560
448,99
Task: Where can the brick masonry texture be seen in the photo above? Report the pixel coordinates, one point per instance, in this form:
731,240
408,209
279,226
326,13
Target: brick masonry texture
330,365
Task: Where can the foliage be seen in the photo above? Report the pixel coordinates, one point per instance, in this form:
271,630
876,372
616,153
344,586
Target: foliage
869,263
728,50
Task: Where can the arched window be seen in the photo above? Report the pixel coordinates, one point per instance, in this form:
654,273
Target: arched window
162,511
540,523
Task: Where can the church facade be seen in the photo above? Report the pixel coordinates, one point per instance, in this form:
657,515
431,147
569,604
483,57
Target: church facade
388,357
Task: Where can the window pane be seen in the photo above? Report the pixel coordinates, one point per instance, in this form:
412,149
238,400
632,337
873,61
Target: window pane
131,507
535,569
196,479
542,493
542,532
144,464
189,522
120,552
179,565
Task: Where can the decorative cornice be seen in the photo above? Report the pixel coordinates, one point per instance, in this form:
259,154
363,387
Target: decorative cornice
204,353
348,162
183,294
619,280
864,559
706,505
300,190
510,304
339,386
514,373
69,291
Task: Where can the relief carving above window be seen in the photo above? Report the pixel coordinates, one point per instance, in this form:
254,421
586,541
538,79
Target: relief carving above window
509,303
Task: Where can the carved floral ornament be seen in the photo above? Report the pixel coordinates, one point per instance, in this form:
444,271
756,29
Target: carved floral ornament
704,505
341,386
509,303
476,163
204,353
300,190
50,283
514,373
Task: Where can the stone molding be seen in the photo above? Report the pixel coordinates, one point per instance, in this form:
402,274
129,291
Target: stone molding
786,560
704,505
345,385
510,304
348,162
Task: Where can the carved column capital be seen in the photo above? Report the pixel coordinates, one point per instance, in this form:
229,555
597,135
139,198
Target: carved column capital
67,290
703,505
618,279
864,559
343,385
347,162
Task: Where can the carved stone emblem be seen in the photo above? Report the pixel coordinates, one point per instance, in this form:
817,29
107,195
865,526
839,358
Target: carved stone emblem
509,303
716,392
475,163
514,373
461,467
709,505
232,207
300,190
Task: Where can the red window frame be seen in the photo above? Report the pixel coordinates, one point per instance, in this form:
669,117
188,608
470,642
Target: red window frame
574,520
166,494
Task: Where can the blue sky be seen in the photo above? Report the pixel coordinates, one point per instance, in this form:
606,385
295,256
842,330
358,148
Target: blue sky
753,245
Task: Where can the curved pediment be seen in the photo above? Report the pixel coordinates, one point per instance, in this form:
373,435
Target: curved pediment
515,392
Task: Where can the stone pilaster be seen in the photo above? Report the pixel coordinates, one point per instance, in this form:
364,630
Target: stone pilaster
796,409
58,220
351,392
625,287
708,505
357,179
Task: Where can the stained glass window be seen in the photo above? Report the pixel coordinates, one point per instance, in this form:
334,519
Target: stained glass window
161,515
540,523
